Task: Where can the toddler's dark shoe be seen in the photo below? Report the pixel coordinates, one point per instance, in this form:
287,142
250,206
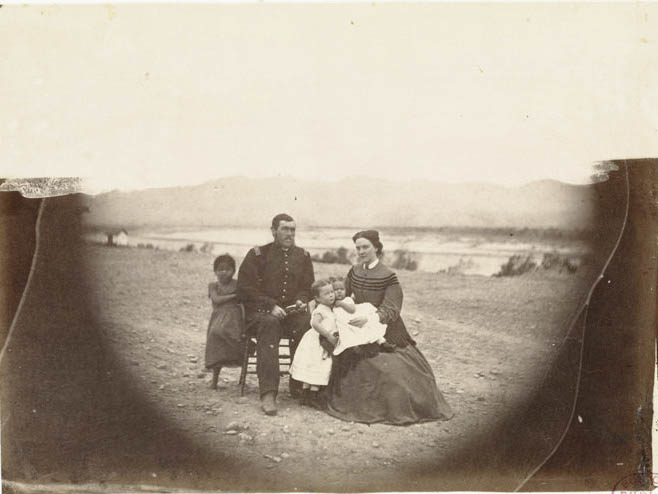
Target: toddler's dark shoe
316,400
387,347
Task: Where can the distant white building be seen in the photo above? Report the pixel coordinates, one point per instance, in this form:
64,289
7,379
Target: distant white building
117,237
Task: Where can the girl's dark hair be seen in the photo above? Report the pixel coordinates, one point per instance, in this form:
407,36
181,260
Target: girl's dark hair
317,284
223,259
373,237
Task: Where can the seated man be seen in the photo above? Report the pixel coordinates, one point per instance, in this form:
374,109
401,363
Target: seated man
271,278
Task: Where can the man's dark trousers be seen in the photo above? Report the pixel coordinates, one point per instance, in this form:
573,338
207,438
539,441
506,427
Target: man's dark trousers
269,330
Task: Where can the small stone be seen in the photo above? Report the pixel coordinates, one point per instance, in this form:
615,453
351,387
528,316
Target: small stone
161,366
494,372
245,437
234,426
375,444
161,387
201,375
331,432
231,433
285,455
415,333
180,405
275,459
481,398
346,428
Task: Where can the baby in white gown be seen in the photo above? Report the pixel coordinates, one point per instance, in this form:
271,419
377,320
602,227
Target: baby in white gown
345,310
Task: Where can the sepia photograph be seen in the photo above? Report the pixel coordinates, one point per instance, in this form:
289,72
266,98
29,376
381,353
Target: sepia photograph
328,247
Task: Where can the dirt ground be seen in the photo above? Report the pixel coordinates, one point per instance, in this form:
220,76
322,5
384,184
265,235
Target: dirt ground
488,340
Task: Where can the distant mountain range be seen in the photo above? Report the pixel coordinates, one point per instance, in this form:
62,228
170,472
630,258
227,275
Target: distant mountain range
356,202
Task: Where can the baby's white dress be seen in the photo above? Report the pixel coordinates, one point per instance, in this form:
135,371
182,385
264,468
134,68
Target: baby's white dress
311,363
349,336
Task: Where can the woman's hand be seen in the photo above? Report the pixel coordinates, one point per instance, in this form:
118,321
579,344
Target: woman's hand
358,321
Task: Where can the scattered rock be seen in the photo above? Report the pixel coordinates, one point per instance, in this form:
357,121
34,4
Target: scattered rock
275,459
245,437
481,398
285,455
494,372
161,366
231,433
236,426
346,428
161,387
180,405
375,444
201,375
415,333
331,432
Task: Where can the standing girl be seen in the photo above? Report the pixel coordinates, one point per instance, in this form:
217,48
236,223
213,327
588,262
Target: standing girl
224,344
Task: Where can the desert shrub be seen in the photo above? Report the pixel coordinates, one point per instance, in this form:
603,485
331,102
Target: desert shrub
461,267
556,261
517,265
206,248
338,256
188,248
145,246
403,259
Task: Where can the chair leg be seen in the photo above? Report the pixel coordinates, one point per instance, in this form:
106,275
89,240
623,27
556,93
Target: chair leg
245,364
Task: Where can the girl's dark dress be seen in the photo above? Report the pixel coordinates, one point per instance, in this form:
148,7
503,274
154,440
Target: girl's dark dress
224,345
371,386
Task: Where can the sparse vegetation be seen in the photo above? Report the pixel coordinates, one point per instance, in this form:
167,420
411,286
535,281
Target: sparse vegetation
188,248
517,265
555,260
338,256
404,259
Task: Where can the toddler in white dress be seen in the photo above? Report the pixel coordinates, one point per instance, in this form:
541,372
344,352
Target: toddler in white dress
312,363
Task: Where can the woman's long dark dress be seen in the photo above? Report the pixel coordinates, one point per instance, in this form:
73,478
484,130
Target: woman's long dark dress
371,386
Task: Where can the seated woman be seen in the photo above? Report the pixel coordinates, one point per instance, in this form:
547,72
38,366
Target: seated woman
371,386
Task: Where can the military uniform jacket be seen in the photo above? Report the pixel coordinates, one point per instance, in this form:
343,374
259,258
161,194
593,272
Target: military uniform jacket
271,276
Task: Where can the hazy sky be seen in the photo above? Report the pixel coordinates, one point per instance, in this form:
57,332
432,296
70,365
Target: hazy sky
152,95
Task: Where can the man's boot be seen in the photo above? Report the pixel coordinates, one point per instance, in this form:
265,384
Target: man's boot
268,403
